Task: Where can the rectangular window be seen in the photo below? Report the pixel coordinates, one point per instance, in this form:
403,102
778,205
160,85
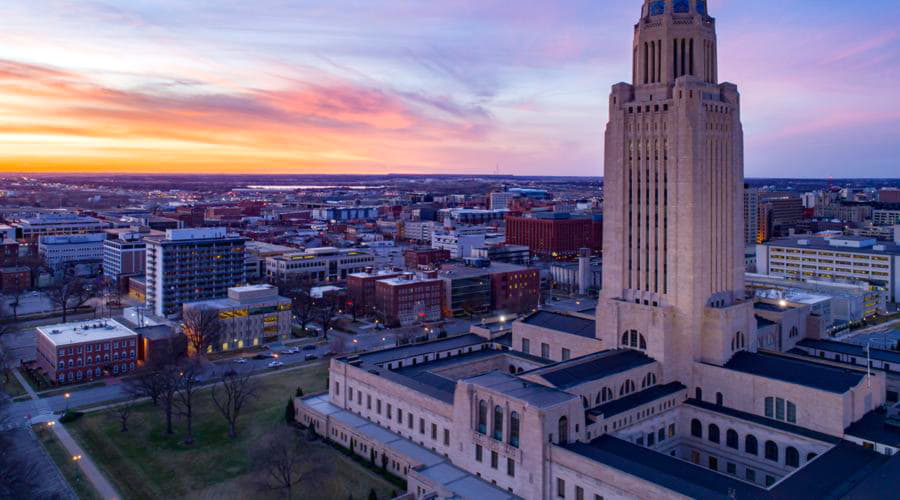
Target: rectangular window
770,411
791,413
560,488
409,420
390,411
651,439
478,453
368,401
751,475
494,459
526,346
421,426
510,467
378,407
671,430
565,354
713,463
434,431
337,388
446,437
399,415
731,468
545,350
779,409
579,493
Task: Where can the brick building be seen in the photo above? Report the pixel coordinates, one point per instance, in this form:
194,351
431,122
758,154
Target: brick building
404,300
361,289
86,350
516,291
14,279
555,234
425,257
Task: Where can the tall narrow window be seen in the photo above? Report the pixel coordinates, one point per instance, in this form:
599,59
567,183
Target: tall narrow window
696,428
563,430
750,445
770,407
514,429
791,413
482,416
498,423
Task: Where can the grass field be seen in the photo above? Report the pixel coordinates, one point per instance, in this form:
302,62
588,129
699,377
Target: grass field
145,463
66,465
13,387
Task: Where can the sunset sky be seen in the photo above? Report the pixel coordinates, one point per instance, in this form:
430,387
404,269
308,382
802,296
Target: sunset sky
449,86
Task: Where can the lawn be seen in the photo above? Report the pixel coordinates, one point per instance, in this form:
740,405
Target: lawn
145,463
13,387
69,468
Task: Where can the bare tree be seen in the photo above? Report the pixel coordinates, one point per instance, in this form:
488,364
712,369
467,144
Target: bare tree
327,307
70,294
18,478
169,378
302,302
122,411
202,327
187,386
15,302
280,461
231,395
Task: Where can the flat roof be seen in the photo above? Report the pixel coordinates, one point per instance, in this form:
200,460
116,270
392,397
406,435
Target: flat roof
393,354
562,323
631,401
874,427
819,243
851,349
77,332
533,393
796,371
595,366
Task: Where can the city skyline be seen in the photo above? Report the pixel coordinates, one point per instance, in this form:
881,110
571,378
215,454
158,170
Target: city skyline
449,87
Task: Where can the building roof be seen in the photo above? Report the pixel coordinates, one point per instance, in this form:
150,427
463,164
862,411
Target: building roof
455,271
883,479
562,323
817,243
631,401
796,371
764,421
515,387
851,349
386,355
77,332
595,366
874,427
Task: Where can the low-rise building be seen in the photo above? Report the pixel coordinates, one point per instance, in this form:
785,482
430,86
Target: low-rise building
31,229
251,315
82,351
416,258
482,286
513,254
318,264
407,299
14,279
361,289
68,250
839,259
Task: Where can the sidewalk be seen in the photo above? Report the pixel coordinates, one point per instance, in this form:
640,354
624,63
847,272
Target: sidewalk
90,470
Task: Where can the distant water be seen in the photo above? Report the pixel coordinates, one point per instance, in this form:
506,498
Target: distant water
296,187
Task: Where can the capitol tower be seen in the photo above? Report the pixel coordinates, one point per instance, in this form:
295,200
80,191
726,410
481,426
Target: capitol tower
673,279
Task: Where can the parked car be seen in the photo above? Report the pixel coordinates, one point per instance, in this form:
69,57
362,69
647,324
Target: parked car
310,357
275,364
240,361
262,356
288,351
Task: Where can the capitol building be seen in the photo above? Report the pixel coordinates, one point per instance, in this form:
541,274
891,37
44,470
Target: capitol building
679,385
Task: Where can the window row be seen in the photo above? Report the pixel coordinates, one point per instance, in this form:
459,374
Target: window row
771,450
388,411
497,421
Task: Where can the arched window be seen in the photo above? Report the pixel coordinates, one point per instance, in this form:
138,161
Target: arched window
750,445
649,380
696,428
698,394
642,343
739,341
794,332
635,340
731,439
627,387
625,339
514,429
713,433
498,423
563,430
607,394
772,451
482,416
791,457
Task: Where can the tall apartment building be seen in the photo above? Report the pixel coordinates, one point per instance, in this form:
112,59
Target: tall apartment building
406,299
751,215
843,258
555,234
778,213
250,315
125,255
187,265
882,217
31,229
318,264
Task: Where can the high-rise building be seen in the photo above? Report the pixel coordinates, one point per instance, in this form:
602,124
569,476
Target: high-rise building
125,255
187,265
751,215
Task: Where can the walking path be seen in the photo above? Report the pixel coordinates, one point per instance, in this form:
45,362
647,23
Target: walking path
87,465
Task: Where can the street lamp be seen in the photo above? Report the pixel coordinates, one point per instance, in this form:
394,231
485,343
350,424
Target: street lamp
67,395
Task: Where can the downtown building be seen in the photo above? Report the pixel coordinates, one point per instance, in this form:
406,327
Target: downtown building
31,229
250,316
408,299
124,256
669,391
83,351
318,264
553,234
187,265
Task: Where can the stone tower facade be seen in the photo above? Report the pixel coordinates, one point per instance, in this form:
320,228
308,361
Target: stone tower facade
673,274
